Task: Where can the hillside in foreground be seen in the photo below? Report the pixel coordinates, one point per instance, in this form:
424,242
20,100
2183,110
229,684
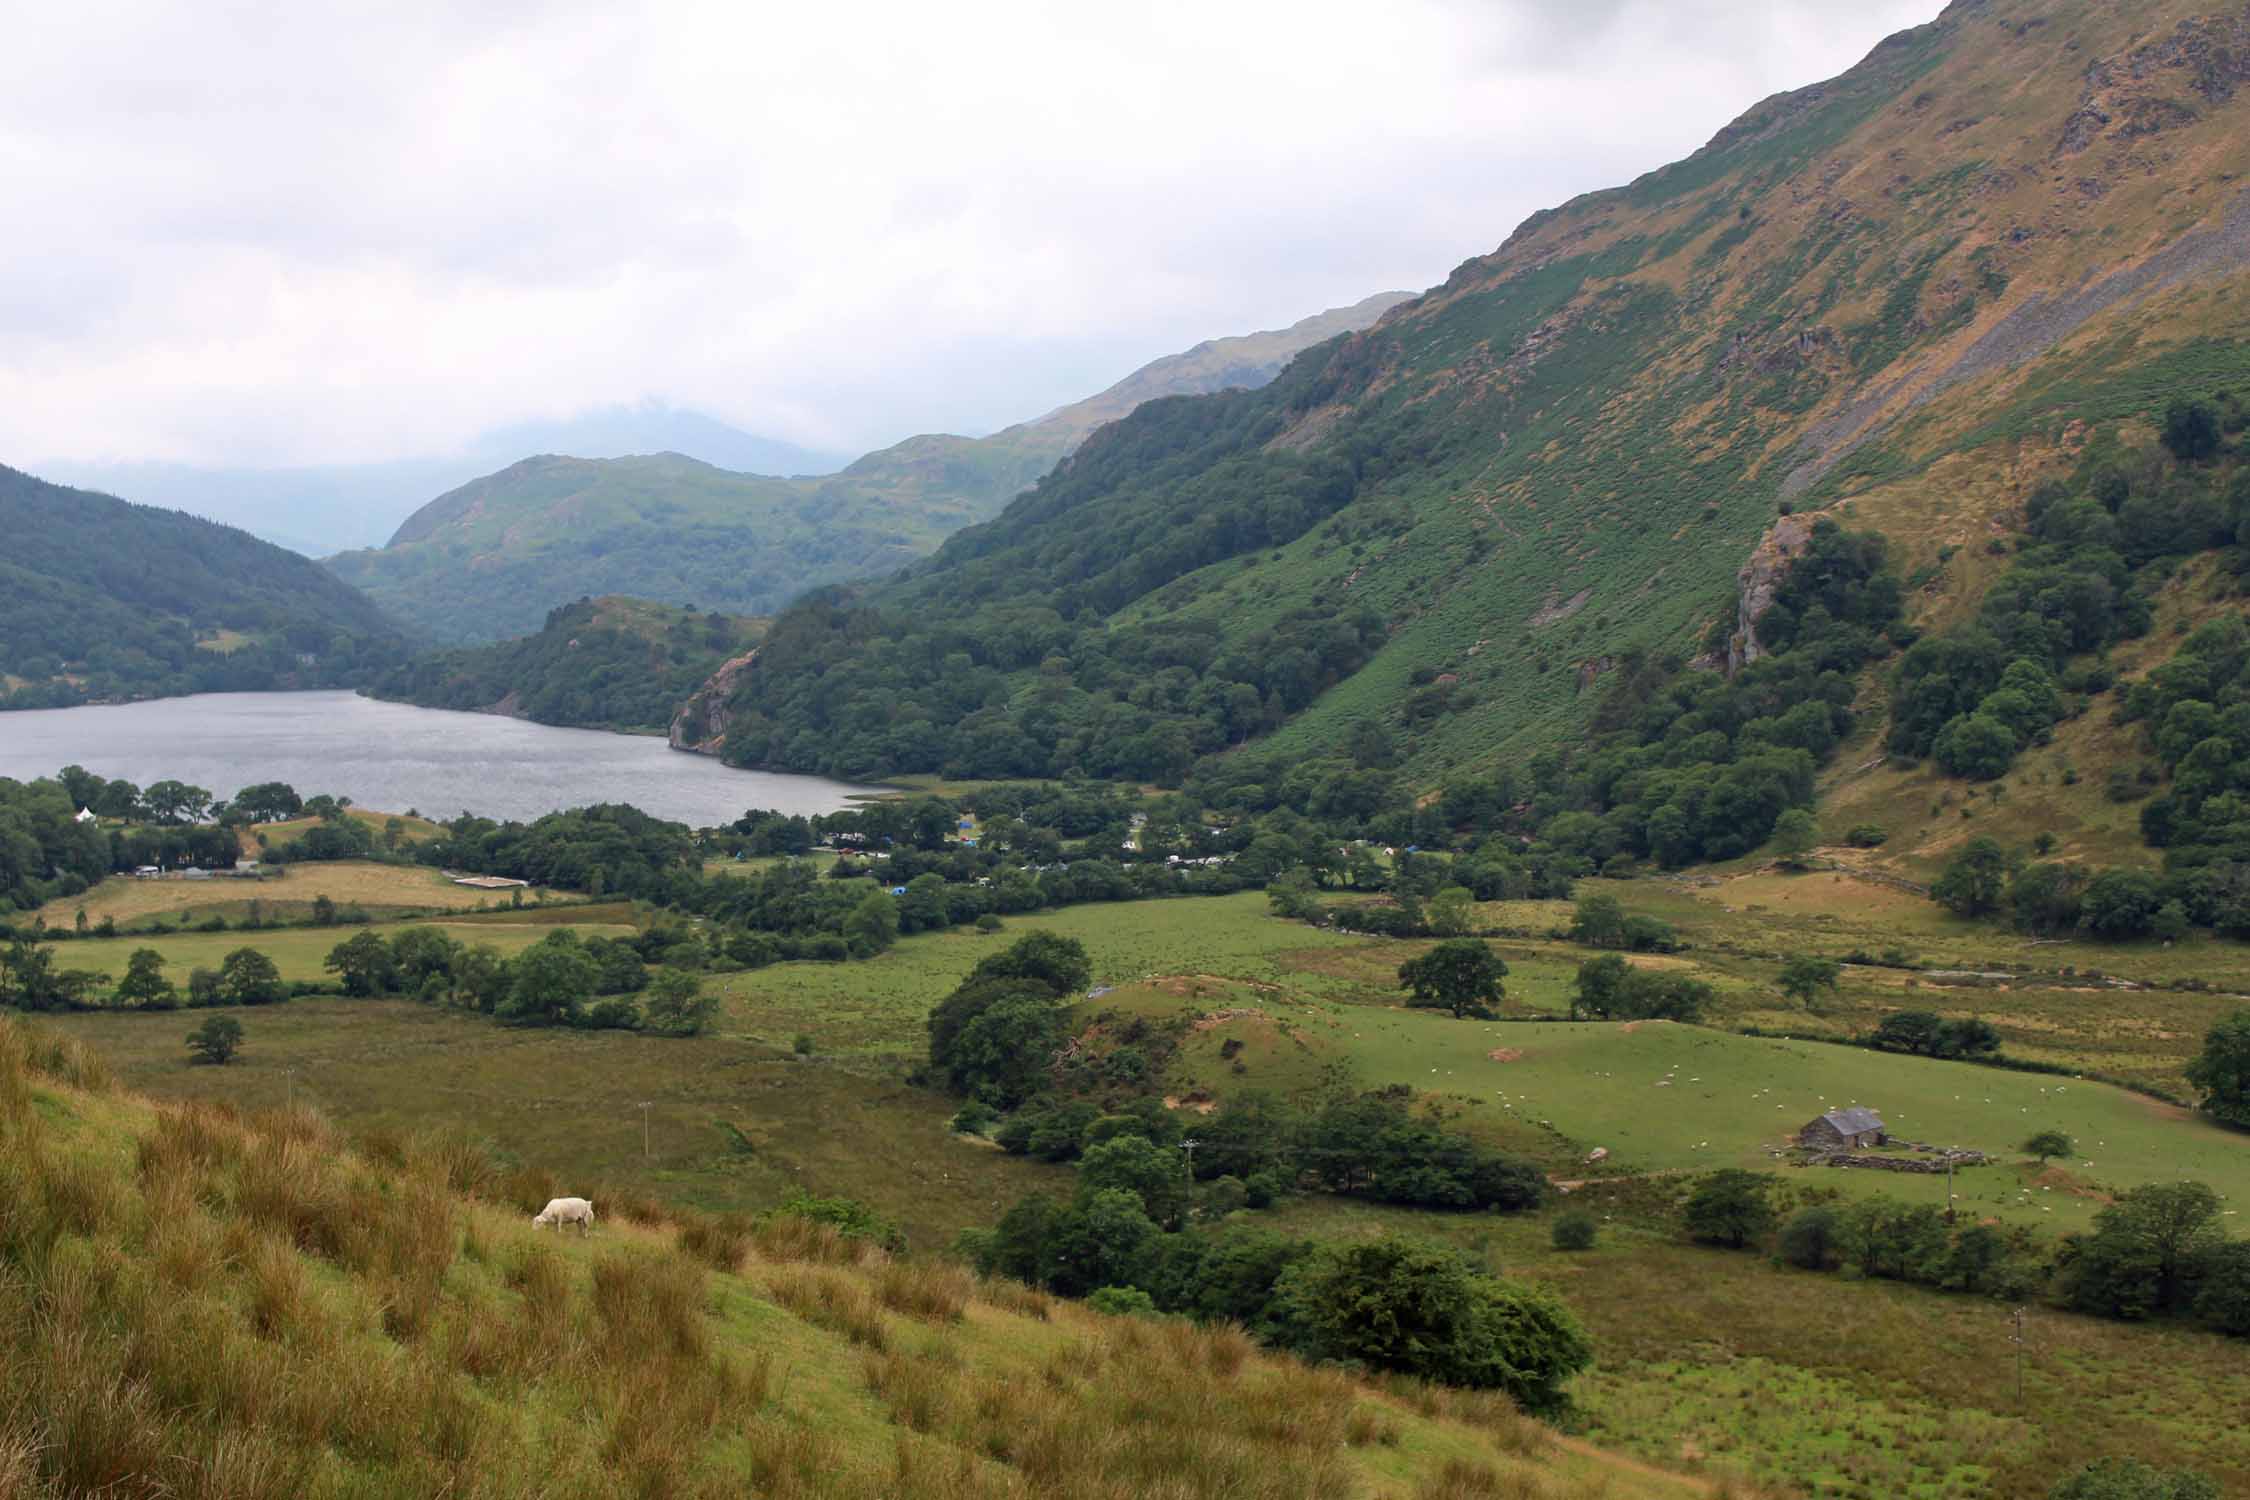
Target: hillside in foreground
199,1302
1987,258
488,560
102,600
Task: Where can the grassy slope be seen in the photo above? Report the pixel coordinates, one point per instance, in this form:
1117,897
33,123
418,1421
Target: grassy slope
1826,225
1849,1390
299,1319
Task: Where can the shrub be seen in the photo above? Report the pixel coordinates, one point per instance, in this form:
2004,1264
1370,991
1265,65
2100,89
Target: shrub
1420,1309
1810,1237
1730,1208
850,1218
217,1040
1575,1231
1122,1302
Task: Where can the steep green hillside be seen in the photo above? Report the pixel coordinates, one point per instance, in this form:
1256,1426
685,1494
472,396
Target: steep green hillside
102,600
491,558
2009,221
606,663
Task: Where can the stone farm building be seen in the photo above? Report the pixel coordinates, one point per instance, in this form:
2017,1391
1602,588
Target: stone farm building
1843,1130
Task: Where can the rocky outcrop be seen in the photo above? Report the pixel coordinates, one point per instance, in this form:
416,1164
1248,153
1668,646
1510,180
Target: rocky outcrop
1758,582
700,725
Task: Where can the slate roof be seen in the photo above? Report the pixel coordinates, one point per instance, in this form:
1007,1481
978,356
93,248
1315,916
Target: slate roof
1854,1121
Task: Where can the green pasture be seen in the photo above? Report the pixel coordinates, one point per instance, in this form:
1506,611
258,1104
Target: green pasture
2110,1009
298,951
729,1124
1668,1098
878,1007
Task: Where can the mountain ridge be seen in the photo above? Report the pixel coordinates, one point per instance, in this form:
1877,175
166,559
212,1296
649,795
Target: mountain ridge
488,558
1557,461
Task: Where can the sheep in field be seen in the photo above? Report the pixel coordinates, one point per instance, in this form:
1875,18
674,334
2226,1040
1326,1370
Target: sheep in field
560,1211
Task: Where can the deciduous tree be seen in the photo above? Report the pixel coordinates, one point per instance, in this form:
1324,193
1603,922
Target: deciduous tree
1462,975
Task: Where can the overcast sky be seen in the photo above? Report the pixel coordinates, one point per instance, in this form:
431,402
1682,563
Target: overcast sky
337,232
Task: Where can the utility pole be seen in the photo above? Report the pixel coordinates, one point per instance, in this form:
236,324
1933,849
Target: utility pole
644,1130
1949,1184
1189,1146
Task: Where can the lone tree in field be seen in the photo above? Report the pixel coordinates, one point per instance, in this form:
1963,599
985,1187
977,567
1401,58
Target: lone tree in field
1804,977
1795,835
1975,882
217,1040
2049,1144
2222,1071
1730,1208
1461,975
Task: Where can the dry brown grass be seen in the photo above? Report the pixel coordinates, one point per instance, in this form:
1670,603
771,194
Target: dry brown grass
933,1291
372,887
830,1299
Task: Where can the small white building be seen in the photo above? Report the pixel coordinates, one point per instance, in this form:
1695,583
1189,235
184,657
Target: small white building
85,815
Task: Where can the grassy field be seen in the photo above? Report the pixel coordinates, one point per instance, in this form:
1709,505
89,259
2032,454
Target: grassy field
286,892
2103,1008
1301,1001
876,1008
299,951
819,859
417,829
730,1124
1847,1390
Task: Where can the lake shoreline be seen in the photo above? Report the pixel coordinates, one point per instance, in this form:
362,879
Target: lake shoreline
382,753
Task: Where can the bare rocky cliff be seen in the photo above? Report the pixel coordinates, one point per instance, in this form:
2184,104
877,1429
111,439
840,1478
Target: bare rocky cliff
700,725
1758,582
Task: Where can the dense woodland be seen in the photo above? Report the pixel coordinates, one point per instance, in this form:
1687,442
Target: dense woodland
101,600
610,663
1004,655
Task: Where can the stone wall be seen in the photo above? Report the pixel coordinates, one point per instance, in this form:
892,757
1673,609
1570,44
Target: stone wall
1920,1164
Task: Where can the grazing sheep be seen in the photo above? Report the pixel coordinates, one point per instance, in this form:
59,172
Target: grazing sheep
561,1211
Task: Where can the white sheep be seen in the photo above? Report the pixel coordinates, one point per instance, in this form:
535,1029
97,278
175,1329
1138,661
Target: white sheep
561,1211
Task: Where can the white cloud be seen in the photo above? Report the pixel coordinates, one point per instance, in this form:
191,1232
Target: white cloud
287,233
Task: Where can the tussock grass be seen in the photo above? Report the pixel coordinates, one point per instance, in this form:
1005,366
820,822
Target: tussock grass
722,1243
831,1300
1012,1296
932,1291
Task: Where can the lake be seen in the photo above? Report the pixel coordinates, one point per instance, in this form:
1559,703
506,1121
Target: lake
390,757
